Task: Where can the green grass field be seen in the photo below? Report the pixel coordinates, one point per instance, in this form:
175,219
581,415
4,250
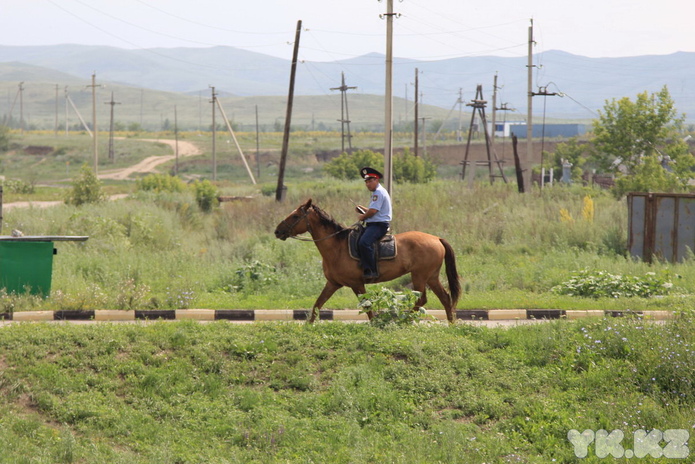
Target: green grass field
334,392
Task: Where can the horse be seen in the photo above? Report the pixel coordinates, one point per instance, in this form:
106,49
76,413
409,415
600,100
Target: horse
419,254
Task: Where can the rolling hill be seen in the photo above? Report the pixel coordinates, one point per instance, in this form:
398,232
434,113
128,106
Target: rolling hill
149,82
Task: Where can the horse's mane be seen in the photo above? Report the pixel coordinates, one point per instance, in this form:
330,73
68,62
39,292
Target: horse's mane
327,221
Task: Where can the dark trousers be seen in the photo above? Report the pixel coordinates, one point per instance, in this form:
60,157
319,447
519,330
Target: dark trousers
372,233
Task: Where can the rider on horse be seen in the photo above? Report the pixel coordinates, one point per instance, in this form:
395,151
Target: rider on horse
377,218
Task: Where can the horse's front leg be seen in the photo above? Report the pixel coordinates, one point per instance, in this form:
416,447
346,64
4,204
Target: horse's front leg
328,290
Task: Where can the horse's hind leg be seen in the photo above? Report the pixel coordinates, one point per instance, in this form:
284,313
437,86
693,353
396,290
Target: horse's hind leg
443,296
419,285
359,291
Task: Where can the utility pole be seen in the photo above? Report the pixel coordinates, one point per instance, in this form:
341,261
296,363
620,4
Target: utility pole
344,113
388,100
526,166
460,102
55,127
67,99
424,136
112,103
214,135
479,105
543,91
415,123
279,192
494,111
176,139
258,161
142,97
94,123
21,108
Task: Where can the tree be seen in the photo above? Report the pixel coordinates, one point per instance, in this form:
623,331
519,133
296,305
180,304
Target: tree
628,131
632,138
571,151
406,167
86,188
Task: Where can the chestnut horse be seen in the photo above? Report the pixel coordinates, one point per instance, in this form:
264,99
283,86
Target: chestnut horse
419,254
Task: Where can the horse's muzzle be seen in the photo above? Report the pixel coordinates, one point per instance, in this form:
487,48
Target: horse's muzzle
281,234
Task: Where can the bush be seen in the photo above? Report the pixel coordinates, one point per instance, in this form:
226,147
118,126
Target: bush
253,276
347,167
86,188
410,168
392,308
205,195
18,186
406,166
161,183
594,284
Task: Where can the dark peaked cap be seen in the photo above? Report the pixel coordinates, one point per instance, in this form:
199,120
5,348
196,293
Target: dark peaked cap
370,172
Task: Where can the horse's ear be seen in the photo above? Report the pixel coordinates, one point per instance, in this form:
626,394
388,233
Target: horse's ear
307,205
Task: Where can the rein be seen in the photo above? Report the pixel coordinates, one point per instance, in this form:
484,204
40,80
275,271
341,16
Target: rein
304,239
308,227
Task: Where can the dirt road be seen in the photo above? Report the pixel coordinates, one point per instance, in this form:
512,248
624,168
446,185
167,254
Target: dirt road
147,165
150,164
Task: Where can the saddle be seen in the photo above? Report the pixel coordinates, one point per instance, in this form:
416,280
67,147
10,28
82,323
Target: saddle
385,248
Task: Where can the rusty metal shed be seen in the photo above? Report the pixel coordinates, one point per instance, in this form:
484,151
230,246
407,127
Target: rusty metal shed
661,225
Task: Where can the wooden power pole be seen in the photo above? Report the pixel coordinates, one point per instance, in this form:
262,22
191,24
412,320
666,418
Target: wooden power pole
344,114
113,103
94,124
279,196
214,135
415,122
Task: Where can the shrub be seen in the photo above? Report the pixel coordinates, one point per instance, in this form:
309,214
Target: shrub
86,188
18,186
406,167
596,284
161,183
410,168
392,308
253,276
347,167
205,195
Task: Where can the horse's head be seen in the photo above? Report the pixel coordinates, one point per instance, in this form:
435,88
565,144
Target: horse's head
294,224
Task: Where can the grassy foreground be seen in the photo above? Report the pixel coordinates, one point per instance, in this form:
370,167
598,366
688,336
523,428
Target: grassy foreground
185,392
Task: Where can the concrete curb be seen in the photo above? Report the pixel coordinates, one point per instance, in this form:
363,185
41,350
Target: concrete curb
250,315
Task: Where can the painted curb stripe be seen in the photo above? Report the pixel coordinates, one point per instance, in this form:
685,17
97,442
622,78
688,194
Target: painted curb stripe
33,316
114,315
73,315
195,314
324,315
506,314
234,315
472,314
580,314
545,313
303,315
168,314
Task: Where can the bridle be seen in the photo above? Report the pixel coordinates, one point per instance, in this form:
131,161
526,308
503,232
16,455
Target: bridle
308,228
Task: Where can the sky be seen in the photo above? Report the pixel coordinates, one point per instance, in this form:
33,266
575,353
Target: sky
332,30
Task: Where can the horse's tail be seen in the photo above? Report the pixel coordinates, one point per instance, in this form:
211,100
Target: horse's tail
452,274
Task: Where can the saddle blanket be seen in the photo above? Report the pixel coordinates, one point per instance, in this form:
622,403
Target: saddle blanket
386,247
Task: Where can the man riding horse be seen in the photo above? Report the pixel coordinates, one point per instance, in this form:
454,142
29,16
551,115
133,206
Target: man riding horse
377,218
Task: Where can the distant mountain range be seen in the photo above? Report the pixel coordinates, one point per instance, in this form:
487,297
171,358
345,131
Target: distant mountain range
582,85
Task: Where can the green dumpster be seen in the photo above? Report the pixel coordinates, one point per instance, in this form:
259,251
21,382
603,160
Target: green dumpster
26,266
26,263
